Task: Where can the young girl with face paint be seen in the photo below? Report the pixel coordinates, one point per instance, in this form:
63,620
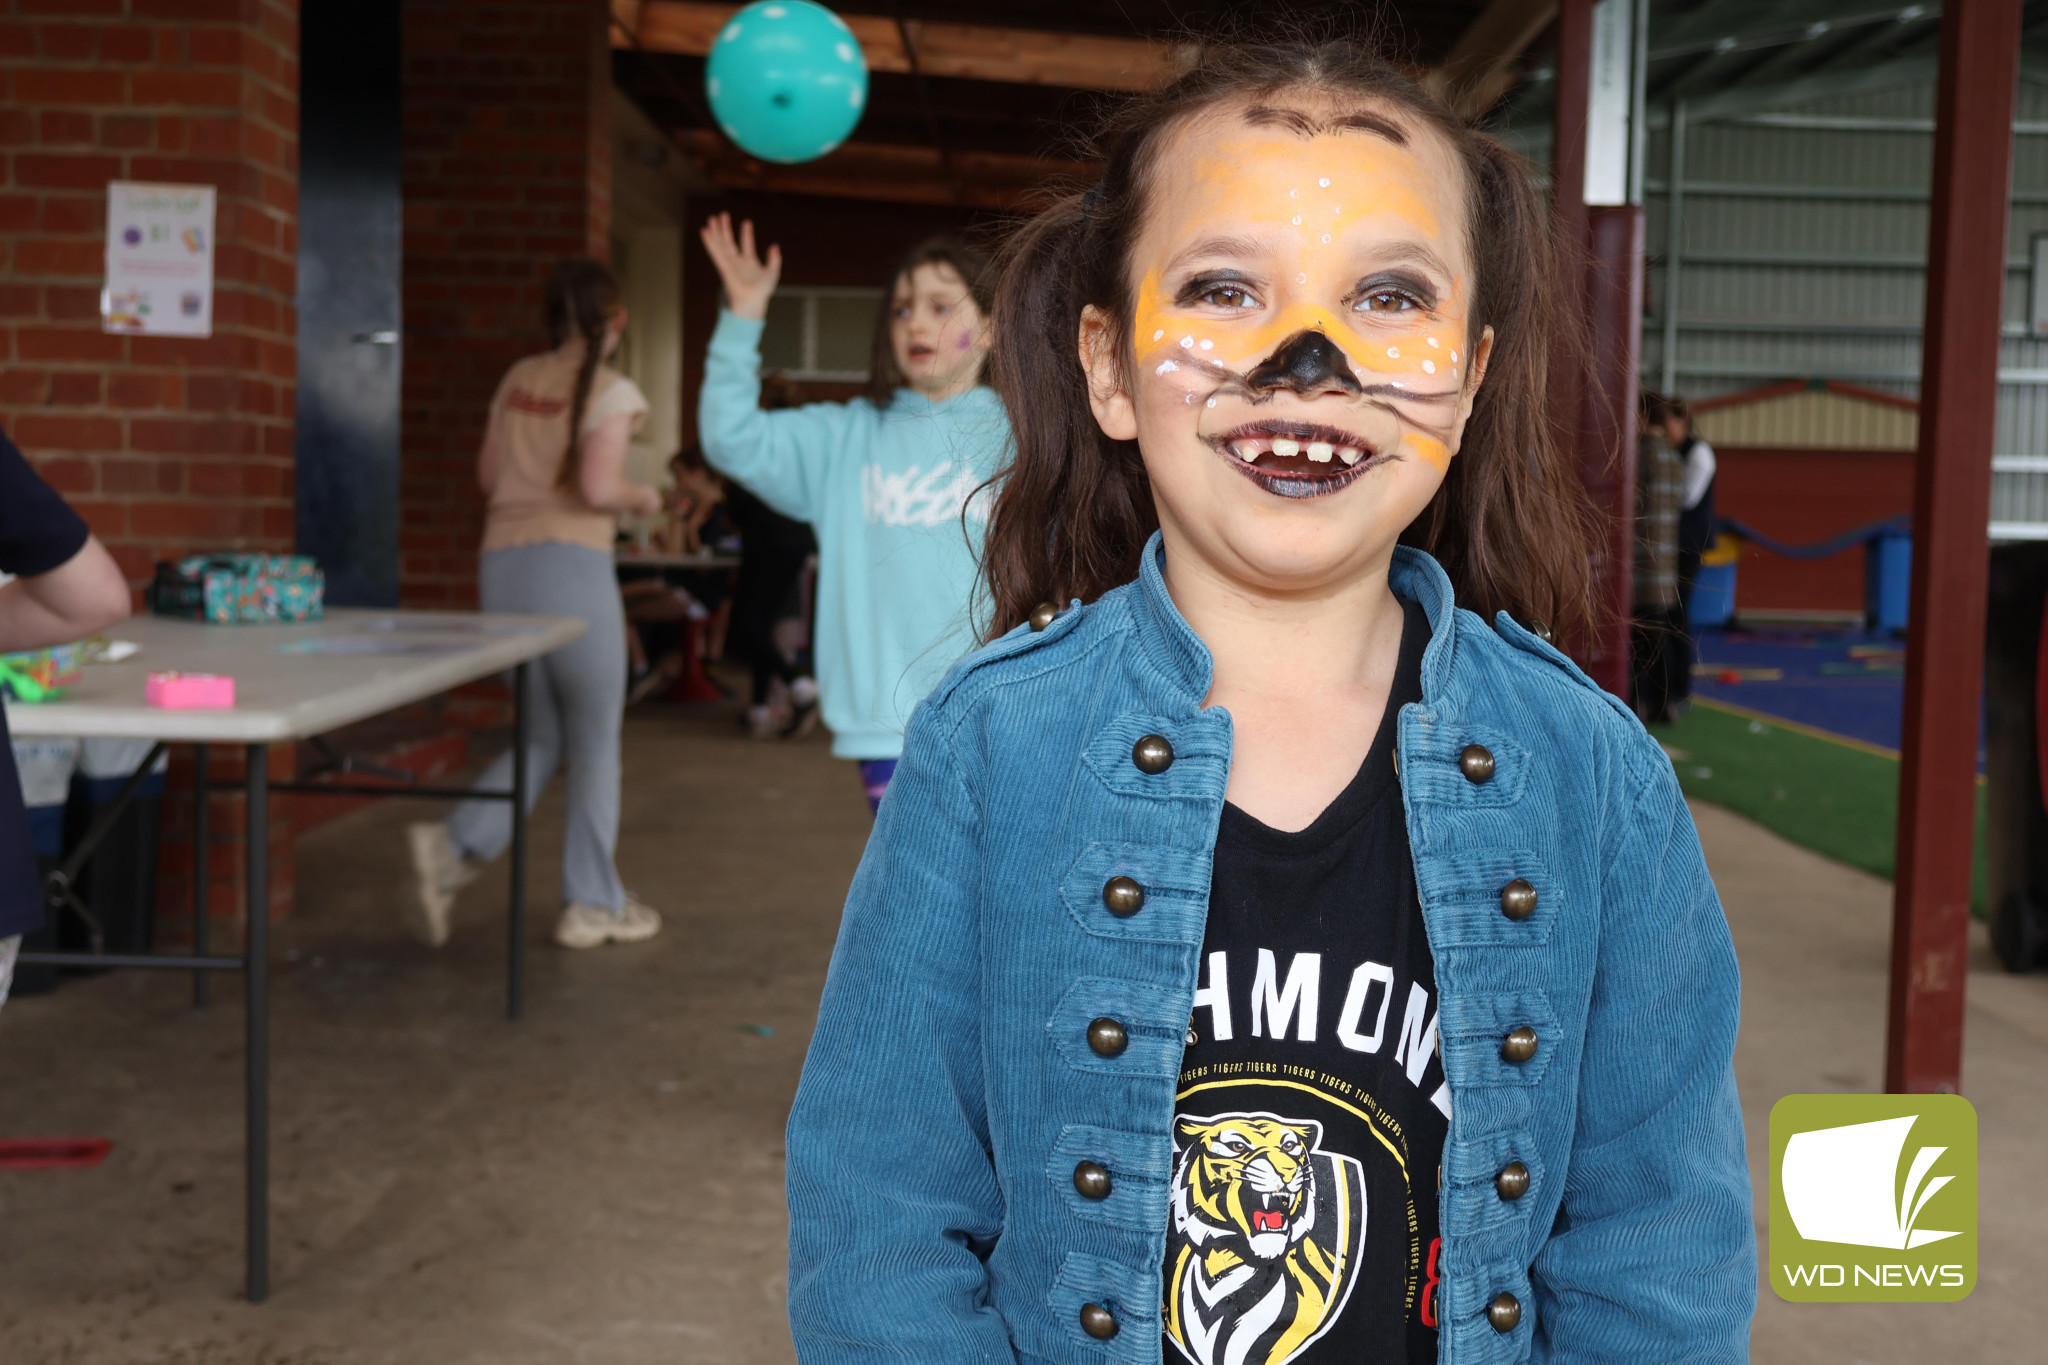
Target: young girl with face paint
887,481
1275,950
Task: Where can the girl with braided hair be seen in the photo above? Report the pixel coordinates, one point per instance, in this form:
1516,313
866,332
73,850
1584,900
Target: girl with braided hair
552,465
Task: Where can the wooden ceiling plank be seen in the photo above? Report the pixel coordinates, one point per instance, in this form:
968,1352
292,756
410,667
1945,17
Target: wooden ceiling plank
969,51
1480,67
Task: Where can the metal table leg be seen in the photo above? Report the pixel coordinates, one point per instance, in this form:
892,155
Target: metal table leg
258,1020
202,756
515,983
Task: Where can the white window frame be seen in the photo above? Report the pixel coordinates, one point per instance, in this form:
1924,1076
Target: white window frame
810,294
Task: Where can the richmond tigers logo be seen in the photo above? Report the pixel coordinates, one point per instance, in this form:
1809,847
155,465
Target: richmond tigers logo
1265,1241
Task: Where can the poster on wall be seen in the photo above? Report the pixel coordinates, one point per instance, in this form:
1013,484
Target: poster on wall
159,259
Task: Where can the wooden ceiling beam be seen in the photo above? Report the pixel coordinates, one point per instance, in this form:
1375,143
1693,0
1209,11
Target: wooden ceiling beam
892,173
969,51
1481,65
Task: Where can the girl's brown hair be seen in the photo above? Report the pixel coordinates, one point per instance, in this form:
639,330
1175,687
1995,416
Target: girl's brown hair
1074,508
973,269
583,298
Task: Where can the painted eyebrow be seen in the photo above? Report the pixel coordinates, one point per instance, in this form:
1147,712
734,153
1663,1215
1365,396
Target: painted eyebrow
1411,253
1260,115
1230,248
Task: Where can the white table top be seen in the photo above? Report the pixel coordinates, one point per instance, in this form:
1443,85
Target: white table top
291,681
663,559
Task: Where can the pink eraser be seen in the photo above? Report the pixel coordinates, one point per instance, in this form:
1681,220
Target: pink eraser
190,691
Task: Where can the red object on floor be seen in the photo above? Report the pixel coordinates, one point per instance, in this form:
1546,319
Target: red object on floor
45,1154
693,683
1731,676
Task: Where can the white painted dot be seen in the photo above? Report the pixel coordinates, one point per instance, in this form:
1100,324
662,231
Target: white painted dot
1324,182
1294,194
1158,334
1397,384
1337,208
775,12
1212,402
1326,237
1432,342
1189,397
853,97
1301,279
1208,345
731,34
1429,367
1297,220
845,51
1454,357
711,87
1393,352
1187,341
1166,367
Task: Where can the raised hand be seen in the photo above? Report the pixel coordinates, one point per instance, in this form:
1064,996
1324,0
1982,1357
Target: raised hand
749,279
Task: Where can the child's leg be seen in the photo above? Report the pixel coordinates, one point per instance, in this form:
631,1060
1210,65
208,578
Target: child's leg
874,776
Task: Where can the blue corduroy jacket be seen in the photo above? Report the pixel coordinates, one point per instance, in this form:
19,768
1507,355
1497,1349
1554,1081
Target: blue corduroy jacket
951,1086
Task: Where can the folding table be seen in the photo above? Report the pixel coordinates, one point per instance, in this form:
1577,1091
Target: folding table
291,682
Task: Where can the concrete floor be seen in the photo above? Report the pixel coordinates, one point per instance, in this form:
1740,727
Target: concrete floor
603,1183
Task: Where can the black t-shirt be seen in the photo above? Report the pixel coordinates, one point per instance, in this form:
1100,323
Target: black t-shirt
1312,1108
38,533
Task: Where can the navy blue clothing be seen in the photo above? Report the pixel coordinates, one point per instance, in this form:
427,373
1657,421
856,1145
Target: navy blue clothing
38,533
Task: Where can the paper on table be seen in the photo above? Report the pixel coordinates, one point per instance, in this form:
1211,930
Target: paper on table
369,644
451,625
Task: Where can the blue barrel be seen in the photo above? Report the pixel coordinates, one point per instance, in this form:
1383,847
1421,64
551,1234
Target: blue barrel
1713,596
1887,580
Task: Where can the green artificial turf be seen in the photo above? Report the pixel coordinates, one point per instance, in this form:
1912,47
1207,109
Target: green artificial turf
1839,800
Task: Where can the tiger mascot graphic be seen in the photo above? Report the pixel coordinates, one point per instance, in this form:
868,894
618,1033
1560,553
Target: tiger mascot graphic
1265,1241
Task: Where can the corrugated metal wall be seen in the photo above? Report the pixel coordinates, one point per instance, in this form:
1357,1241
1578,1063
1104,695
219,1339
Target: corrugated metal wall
1803,231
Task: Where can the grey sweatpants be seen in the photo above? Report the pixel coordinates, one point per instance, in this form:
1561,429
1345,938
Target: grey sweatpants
574,700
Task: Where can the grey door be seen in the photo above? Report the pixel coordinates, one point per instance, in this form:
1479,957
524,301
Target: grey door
350,342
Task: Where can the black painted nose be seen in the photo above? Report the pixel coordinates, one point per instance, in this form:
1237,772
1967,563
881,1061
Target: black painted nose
1307,362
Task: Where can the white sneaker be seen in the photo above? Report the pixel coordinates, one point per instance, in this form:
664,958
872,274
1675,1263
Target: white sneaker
439,871
761,722
593,926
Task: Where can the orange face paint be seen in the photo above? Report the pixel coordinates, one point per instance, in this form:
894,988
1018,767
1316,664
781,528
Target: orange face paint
1303,227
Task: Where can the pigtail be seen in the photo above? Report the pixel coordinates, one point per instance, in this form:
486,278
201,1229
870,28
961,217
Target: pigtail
1075,507
582,299
1511,524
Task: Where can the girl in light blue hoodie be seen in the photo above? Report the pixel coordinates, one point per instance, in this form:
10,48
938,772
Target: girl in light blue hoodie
887,481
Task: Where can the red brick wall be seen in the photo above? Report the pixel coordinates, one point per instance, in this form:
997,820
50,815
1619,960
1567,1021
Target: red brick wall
507,168
165,444
1803,496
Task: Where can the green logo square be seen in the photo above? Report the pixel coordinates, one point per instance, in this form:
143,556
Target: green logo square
1873,1198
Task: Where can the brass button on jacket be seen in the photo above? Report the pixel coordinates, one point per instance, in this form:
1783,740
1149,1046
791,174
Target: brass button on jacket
1152,754
1108,1038
1123,896
1518,899
1091,1180
1518,1046
1476,762
1512,1182
1042,615
1097,1322
1504,1314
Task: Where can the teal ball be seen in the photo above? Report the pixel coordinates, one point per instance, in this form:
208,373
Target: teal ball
786,80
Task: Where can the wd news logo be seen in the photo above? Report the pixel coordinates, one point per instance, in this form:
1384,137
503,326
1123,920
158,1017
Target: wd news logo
1873,1198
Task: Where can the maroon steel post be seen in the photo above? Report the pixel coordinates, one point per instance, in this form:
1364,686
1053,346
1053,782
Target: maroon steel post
1583,415
1980,43
1614,332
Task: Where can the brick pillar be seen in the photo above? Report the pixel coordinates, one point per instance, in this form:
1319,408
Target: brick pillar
165,444
507,168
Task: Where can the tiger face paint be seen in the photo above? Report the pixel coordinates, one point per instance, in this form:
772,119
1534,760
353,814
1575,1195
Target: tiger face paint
1302,288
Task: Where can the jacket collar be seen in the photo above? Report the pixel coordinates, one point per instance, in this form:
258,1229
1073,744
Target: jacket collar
1173,644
